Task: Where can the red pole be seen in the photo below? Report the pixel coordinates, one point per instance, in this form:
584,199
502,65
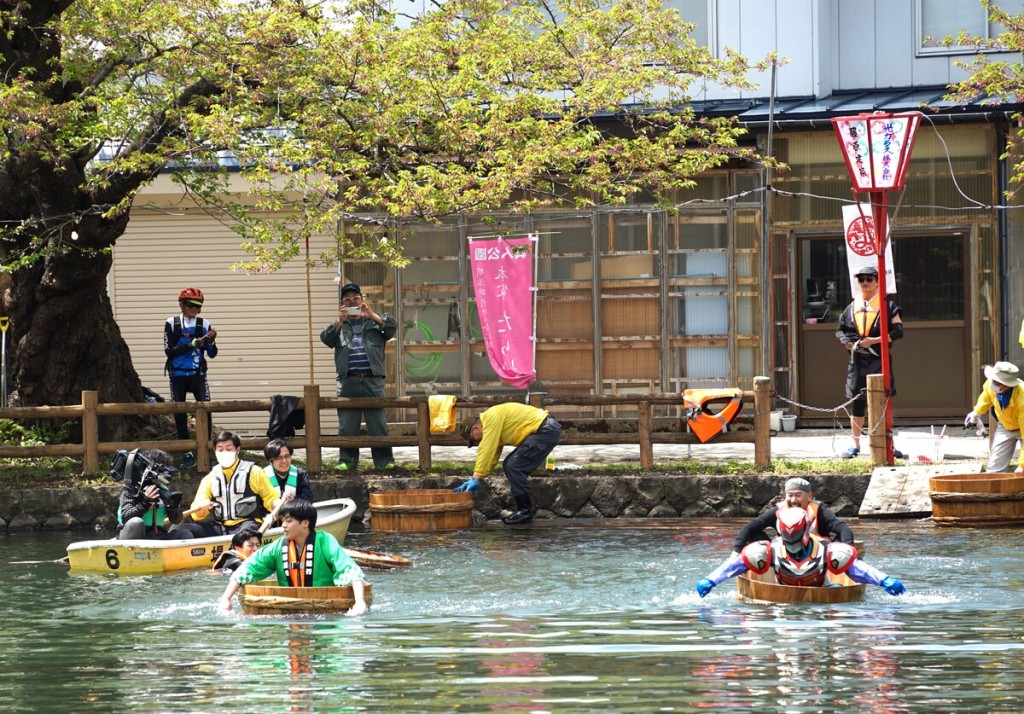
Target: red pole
881,211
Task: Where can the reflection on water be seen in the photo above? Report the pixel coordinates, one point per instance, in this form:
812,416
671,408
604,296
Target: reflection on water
568,619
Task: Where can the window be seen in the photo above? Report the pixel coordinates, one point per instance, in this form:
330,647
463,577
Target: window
938,19
698,12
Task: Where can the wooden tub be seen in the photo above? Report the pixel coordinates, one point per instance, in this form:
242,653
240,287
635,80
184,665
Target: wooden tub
259,599
977,499
763,588
426,509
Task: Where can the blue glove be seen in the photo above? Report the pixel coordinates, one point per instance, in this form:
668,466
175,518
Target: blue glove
472,485
893,586
704,586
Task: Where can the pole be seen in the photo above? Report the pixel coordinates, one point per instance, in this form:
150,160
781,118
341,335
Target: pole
4,324
309,315
881,215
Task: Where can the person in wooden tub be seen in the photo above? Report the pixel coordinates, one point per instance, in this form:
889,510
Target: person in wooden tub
303,557
799,557
799,492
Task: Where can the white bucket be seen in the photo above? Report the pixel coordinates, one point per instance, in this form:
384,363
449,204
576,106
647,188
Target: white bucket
775,420
789,422
924,448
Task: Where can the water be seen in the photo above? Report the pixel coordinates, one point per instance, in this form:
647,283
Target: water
547,619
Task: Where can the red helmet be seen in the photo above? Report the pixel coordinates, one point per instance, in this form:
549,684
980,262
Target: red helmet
791,523
191,294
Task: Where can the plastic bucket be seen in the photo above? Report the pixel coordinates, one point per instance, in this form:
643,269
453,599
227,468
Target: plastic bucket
789,422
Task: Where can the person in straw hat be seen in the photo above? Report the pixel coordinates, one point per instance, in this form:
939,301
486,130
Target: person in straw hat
1003,391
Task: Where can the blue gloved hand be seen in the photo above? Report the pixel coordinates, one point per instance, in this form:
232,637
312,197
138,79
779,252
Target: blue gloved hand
472,485
704,586
893,586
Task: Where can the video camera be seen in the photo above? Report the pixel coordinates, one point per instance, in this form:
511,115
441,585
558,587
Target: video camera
139,472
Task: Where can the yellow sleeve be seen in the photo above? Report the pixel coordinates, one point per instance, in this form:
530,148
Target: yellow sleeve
984,400
262,487
203,494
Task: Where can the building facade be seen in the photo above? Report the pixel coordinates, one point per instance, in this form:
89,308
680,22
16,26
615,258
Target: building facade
746,277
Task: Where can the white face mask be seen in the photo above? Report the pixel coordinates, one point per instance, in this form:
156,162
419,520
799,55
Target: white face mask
225,458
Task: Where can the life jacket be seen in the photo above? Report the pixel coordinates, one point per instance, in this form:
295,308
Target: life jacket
229,495
298,564
806,572
865,314
702,421
185,362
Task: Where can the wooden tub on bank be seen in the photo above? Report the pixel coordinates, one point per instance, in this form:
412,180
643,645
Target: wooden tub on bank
425,509
995,499
260,599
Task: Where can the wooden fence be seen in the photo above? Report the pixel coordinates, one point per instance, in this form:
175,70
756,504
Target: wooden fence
90,411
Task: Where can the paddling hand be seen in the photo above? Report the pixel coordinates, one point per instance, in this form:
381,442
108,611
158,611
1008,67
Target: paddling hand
224,604
472,485
893,586
704,586
359,608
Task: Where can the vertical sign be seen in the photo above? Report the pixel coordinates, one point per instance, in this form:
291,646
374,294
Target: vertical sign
859,229
503,270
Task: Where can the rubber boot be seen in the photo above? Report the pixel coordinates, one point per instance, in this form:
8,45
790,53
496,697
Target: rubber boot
523,514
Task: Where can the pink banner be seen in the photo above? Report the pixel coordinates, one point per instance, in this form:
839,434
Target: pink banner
503,284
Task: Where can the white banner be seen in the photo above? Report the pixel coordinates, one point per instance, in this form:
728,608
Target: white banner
860,247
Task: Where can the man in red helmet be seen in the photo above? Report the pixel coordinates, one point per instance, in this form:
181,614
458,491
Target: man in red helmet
188,341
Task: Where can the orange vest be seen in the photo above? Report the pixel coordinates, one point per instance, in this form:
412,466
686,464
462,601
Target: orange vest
865,313
702,421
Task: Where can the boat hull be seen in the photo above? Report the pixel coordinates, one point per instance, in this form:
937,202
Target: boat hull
763,588
148,557
260,599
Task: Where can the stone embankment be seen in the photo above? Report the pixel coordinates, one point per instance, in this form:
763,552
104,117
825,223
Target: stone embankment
575,495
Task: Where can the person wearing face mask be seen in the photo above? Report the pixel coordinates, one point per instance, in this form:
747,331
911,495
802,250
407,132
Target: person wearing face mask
800,558
235,494
860,333
823,521
1003,392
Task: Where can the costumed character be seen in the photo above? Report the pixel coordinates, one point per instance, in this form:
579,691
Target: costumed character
800,558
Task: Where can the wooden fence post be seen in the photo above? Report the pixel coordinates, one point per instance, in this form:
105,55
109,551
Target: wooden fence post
202,438
423,434
643,425
311,405
876,419
762,422
90,433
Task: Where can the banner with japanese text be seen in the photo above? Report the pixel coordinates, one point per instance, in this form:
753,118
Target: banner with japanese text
503,277
859,229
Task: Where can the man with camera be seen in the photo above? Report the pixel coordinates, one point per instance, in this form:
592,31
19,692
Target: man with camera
147,501
358,337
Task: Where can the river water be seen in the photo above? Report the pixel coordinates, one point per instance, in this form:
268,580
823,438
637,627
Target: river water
566,619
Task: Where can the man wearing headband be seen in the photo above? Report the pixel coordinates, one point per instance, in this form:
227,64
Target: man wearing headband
821,519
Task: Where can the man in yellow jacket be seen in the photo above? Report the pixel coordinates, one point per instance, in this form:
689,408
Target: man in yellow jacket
1004,392
532,431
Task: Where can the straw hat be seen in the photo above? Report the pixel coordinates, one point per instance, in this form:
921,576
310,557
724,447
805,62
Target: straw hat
1004,373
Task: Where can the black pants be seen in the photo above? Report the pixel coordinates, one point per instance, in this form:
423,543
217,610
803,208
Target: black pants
195,384
528,456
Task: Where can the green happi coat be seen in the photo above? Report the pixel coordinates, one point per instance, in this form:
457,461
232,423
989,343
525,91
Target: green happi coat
332,566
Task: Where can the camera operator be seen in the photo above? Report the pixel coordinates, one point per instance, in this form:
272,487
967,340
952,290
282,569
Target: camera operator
147,501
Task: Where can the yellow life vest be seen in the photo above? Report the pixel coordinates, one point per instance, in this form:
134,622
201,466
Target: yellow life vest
702,421
865,313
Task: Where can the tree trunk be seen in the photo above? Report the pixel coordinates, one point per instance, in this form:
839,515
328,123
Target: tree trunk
63,338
